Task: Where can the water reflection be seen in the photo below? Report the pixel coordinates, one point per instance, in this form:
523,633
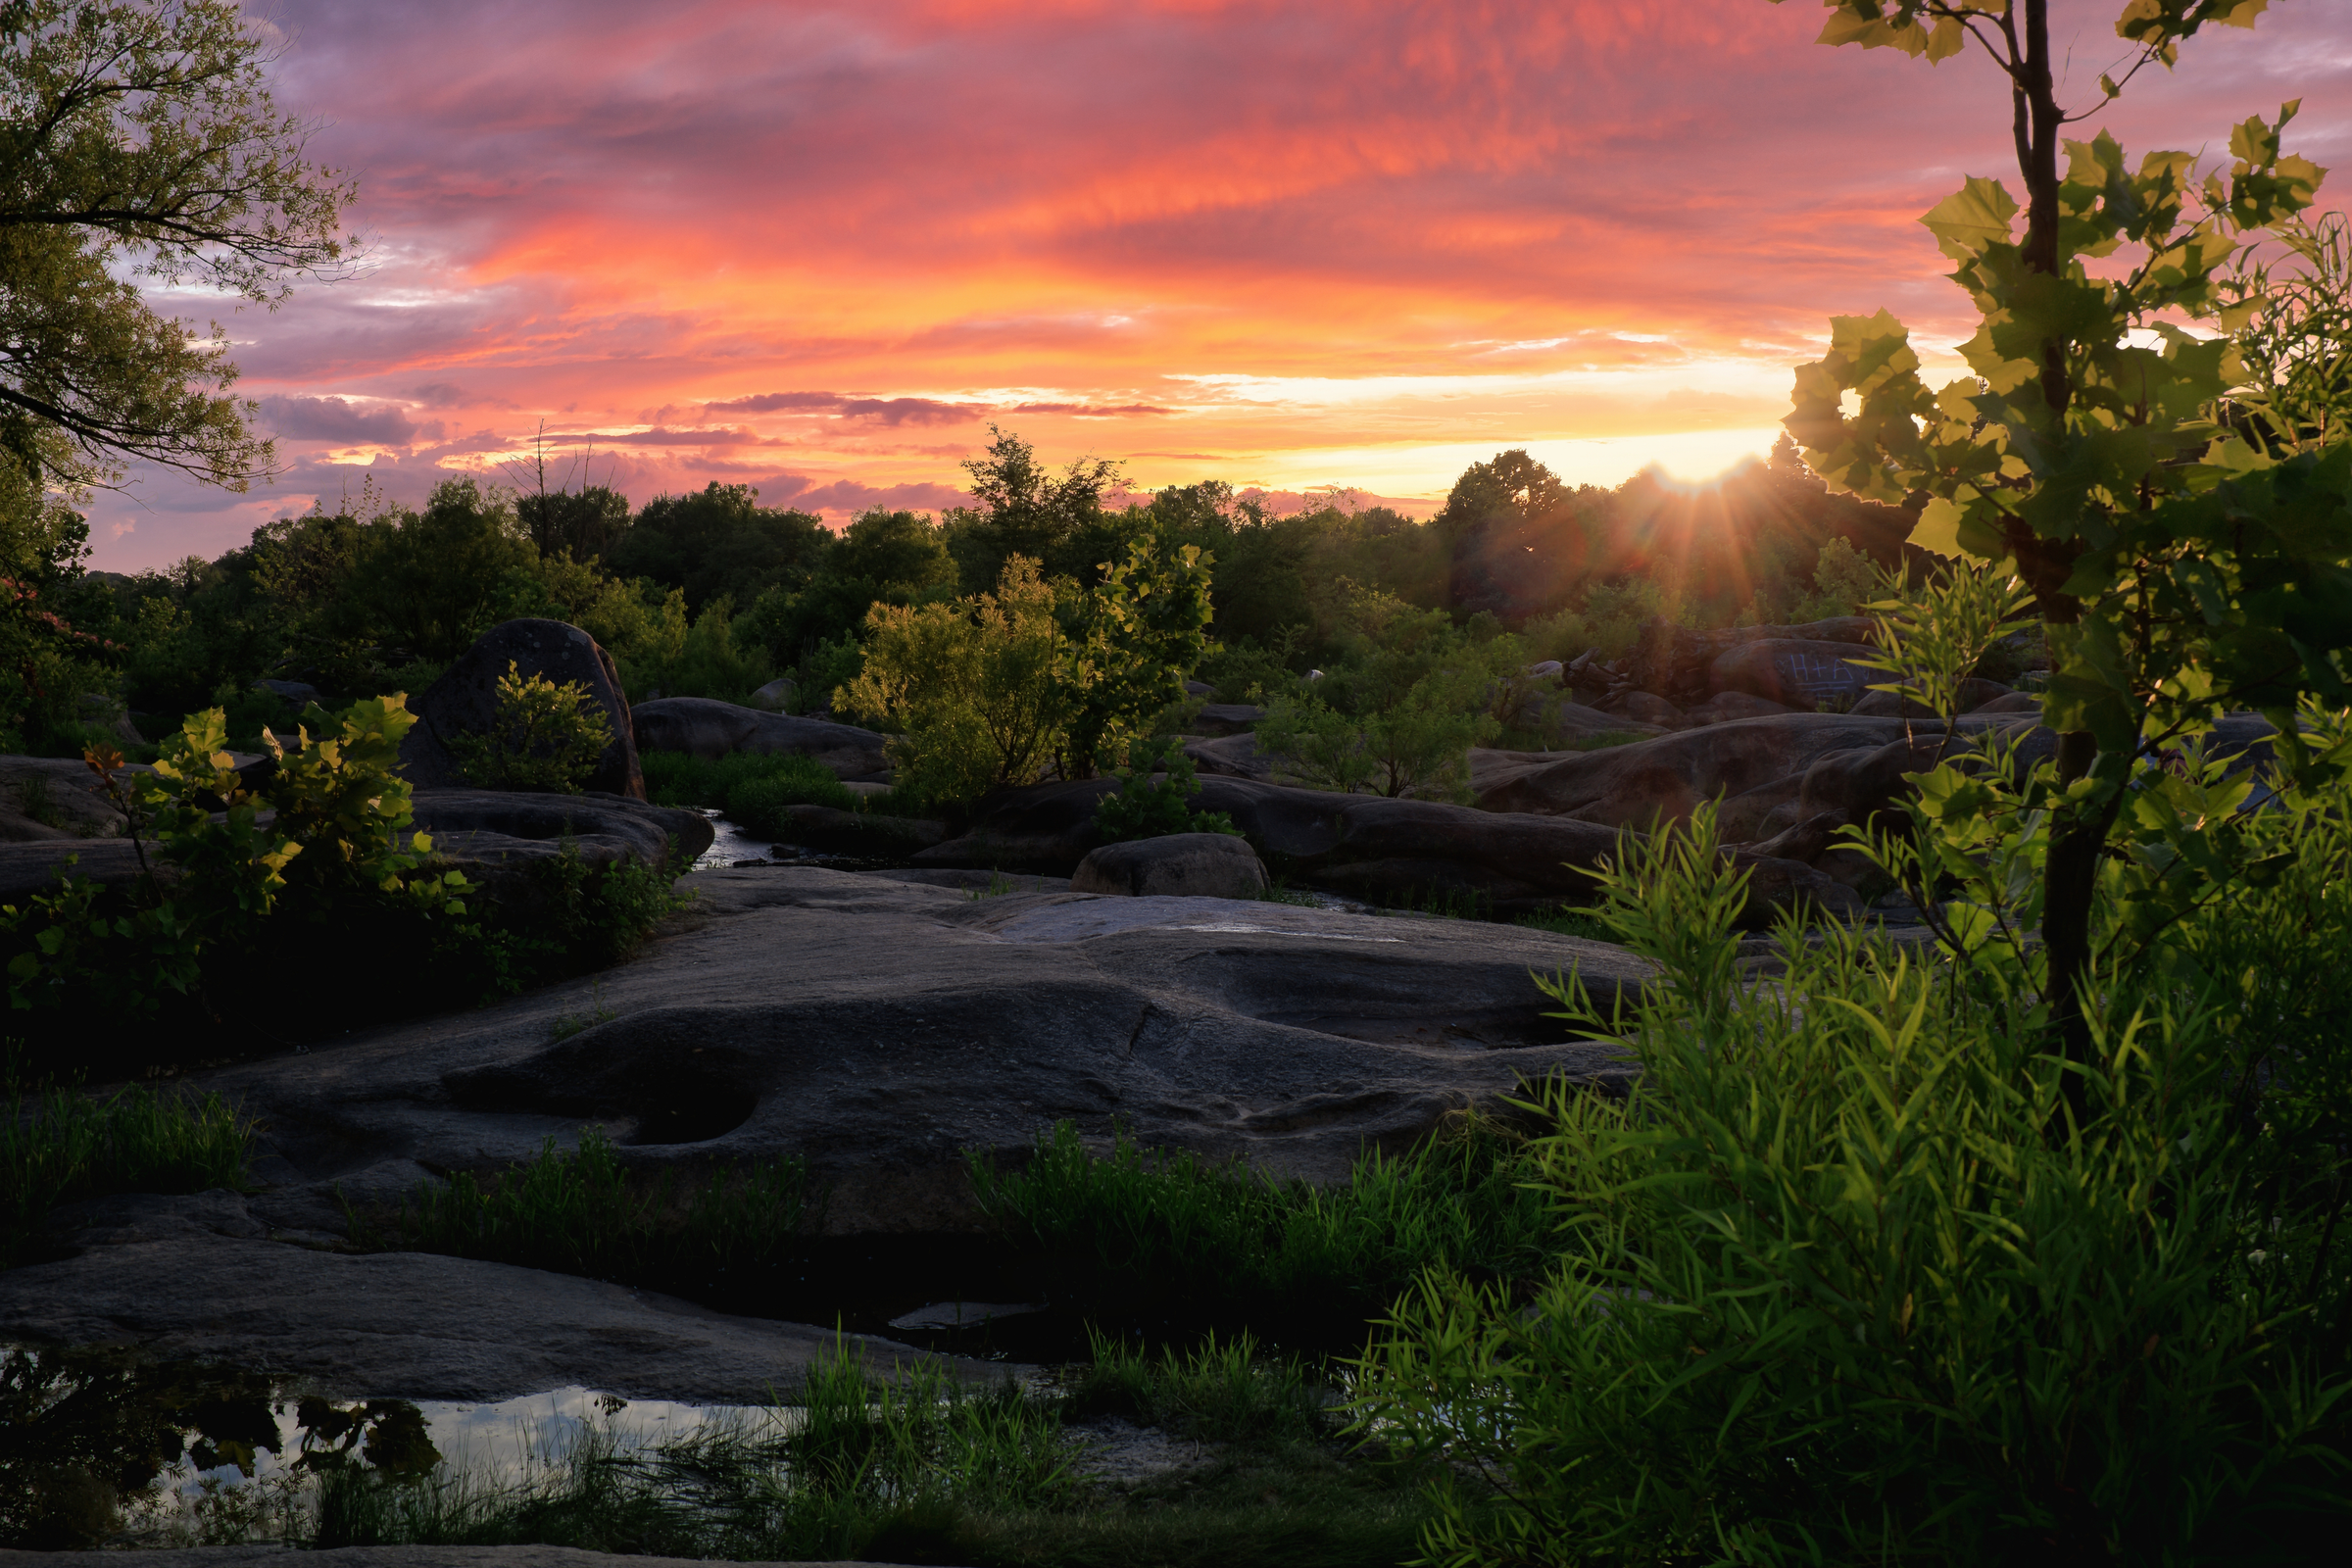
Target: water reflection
98,1449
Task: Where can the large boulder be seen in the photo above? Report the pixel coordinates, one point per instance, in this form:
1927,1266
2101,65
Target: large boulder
1797,672
1666,778
1391,851
706,727
1228,719
464,700
1213,865
496,830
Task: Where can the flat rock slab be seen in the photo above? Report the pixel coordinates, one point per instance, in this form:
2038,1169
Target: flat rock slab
879,1029
384,1557
413,1325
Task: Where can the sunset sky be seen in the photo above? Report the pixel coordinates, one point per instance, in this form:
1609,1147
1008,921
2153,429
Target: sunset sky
817,247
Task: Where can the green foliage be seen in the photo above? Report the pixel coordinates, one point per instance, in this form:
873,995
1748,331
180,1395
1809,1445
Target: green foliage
583,1212
542,736
1154,796
1170,1245
58,1147
574,916
152,967
1220,1391
980,692
2179,566
718,542
1026,513
883,557
1141,629
141,148
2293,317
1850,1278
731,783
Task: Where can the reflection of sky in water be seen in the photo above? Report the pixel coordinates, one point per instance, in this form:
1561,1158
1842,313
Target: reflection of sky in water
731,845
498,1445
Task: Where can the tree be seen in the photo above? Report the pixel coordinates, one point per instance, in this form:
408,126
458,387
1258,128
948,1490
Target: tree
719,541
1025,510
139,144
1142,632
2177,568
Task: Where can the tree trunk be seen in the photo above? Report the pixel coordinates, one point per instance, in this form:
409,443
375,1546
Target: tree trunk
2071,872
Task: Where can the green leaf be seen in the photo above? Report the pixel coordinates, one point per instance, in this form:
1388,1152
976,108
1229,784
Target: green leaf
1972,219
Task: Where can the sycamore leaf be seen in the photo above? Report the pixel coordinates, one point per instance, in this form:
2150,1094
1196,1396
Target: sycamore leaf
1938,528
1973,218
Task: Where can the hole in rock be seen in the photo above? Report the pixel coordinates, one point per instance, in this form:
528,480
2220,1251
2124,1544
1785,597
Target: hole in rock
691,1111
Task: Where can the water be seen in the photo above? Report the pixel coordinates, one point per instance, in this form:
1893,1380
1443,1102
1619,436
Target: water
191,1453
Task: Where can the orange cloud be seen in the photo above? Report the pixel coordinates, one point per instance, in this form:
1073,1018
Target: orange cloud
814,247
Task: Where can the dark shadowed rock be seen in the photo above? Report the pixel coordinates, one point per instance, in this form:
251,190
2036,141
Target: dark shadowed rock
1798,673
464,700
1724,707
1666,778
1362,846
1228,719
274,1556
880,1028
408,1325
704,727
1973,695
1234,757
491,827
1213,865
300,693
1647,707
838,832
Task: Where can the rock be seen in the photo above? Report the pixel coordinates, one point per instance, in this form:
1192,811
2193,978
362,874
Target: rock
1549,669
775,697
274,1556
1800,673
491,828
706,727
1973,695
51,797
1558,715
986,884
297,694
464,701
1361,846
1724,707
1666,776
2011,703
859,833
1646,708
1228,719
409,1325
1234,757
880,1028
1213,865
1199,688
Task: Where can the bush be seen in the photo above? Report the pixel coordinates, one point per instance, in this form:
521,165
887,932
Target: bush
542,737
1848,1279
1153,798
751,788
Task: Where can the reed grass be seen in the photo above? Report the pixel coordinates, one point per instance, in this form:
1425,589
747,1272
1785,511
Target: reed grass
63,1145
582,1212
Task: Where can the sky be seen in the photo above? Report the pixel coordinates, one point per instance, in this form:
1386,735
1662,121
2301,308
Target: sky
819,248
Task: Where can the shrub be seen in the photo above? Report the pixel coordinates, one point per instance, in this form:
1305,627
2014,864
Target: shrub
543,737
751,788
1154,797
1848,1279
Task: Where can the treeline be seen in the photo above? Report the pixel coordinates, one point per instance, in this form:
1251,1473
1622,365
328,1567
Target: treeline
713,594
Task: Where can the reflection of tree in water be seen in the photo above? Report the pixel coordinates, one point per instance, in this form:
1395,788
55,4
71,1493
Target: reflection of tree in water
83,1430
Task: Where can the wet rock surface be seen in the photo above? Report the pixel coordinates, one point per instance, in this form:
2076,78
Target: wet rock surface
415,1325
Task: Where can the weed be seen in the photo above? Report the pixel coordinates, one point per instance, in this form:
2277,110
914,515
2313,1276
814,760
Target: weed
65,1146
1166,1245
751,788
583,1214
1569,922
570,1025
34,801
998,884
1223,1391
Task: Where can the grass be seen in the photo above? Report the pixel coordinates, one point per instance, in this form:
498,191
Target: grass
63,1146
753,789
1572,923
582,1212
1166,1247
917,1467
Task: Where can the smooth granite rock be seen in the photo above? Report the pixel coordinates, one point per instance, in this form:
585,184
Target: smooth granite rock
464,700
